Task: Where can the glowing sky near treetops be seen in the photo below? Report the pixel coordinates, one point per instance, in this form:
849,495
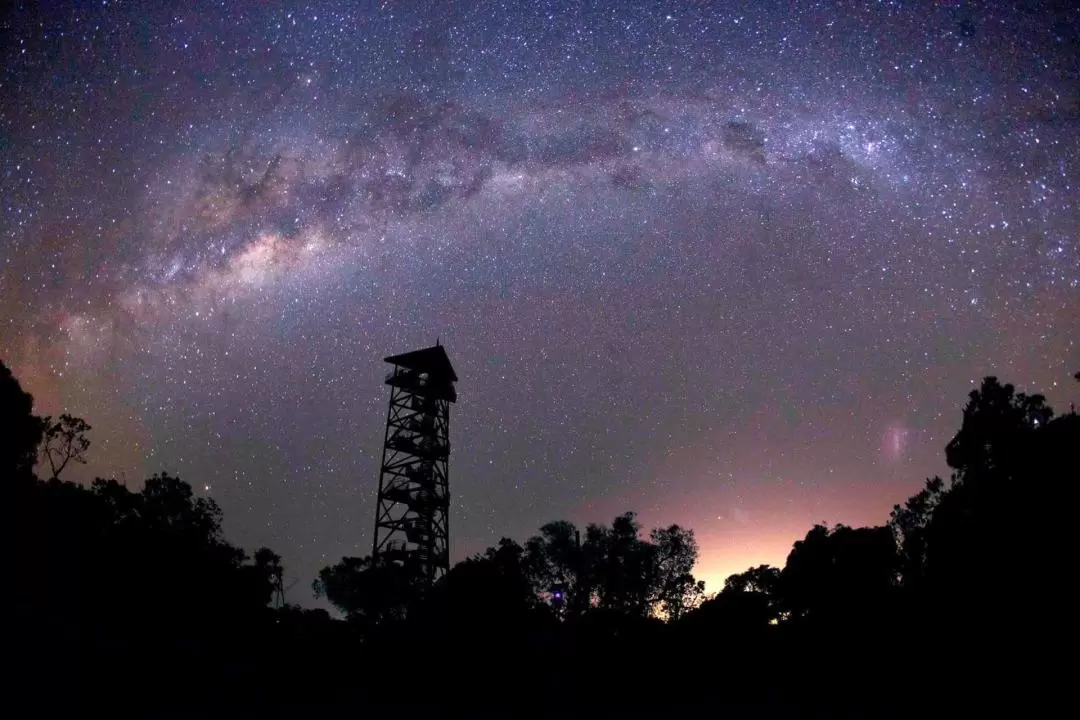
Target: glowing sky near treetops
731,265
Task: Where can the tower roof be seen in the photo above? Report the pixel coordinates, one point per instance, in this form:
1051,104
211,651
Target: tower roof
432,360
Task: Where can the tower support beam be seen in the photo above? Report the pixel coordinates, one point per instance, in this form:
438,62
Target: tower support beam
412,514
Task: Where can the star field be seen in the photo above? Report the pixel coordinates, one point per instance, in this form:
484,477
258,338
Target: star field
731,265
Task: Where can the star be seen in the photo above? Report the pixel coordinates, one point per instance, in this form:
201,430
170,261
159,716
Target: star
773,245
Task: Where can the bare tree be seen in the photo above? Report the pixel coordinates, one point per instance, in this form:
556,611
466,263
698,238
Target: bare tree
64,441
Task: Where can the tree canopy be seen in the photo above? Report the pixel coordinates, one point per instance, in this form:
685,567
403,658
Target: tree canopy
611,568
20,429
110,581
64,441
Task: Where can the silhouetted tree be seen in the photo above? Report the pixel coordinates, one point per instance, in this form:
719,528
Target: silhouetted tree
623,565
675,553
614,568
1014,466
175,540
144,585
1008,505
507,563
910,525
20,429
370,592
64,441
733,615
997,421
839,574
130,580
491,587
555,558
764,579
953,539
170,507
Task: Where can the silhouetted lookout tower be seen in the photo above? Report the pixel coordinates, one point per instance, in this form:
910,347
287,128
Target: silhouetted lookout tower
412,517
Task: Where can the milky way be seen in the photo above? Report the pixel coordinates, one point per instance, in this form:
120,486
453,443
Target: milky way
731,266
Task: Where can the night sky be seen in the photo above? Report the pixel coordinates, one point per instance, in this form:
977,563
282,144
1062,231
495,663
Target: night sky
731,265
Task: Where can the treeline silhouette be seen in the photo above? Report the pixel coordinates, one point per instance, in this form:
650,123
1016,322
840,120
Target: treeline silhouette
134,601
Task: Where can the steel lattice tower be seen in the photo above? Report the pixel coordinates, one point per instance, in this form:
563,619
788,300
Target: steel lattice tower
412,515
